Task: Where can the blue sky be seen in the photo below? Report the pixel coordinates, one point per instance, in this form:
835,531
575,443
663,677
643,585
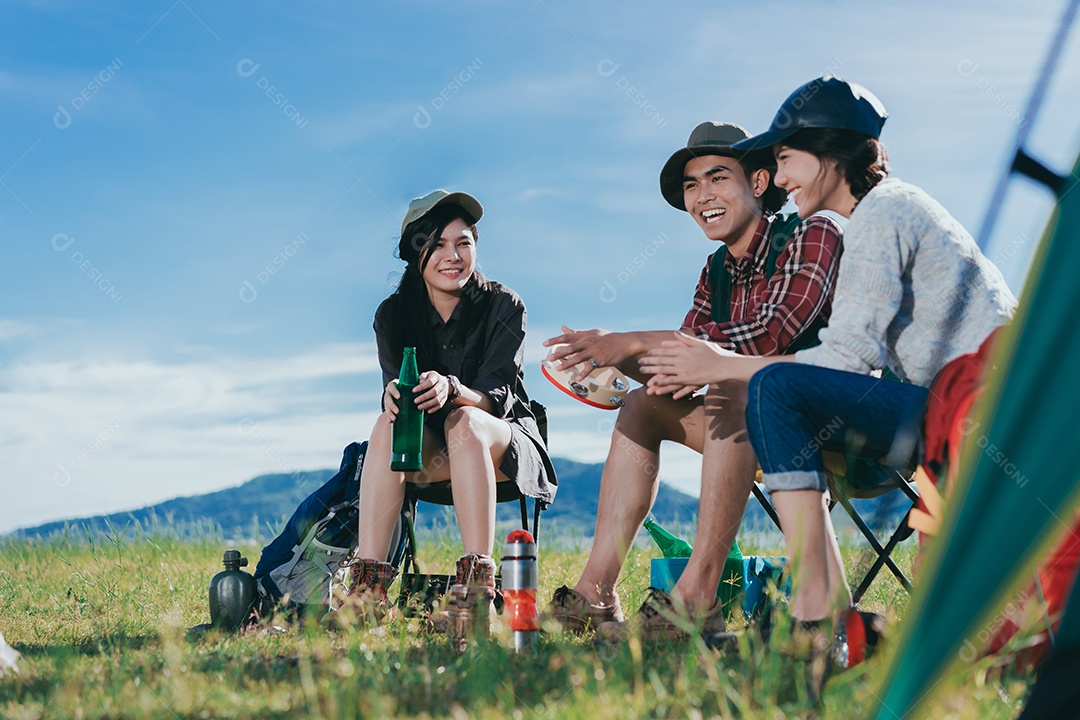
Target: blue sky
199,200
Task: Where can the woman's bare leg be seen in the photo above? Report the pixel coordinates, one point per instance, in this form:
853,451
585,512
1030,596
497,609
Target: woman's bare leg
819,586
476,443
382,490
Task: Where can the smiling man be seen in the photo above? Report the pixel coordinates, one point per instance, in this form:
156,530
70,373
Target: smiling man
766,291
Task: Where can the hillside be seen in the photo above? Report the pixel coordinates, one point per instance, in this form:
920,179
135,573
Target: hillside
257,509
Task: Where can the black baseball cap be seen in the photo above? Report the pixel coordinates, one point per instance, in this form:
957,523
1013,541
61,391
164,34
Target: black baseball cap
827,102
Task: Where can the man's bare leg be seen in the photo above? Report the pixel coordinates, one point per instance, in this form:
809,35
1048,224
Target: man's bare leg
727,476
629,482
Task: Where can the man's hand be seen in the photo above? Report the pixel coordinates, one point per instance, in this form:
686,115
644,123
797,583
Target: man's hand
588,350
676,391
683,364
688,362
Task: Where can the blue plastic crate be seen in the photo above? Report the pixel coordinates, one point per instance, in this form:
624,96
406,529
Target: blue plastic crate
751,583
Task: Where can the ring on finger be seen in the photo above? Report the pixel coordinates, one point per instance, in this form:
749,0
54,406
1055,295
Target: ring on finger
594,363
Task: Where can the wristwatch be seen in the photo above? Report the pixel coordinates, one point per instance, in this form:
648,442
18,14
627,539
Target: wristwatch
455,387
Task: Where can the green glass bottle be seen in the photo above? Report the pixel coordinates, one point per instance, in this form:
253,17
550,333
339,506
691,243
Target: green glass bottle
408,428
670,545
731,580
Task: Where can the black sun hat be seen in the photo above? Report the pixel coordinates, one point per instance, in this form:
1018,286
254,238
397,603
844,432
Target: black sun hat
827,102
708,138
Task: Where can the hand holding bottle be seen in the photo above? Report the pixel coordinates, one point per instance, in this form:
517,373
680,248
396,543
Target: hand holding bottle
432,391
391,397
429,395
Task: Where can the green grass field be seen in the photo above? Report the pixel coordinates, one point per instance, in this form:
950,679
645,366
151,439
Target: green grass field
101,627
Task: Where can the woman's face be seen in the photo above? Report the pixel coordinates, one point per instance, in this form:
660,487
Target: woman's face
811,184
451,260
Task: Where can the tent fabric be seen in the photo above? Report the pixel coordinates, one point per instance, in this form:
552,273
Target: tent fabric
1068,636
1056,693
948,418
1018,480
1048,600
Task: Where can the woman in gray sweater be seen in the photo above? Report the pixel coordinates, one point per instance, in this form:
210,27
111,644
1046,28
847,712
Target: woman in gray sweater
913,292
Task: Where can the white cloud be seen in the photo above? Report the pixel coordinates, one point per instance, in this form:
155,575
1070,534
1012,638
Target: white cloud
15,329
86,437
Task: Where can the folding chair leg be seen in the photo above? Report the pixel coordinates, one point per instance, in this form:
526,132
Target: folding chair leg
767,506
901,534
537,507
883,556
409,556
902,484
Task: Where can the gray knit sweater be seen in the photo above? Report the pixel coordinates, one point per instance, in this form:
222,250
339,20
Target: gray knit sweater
913,290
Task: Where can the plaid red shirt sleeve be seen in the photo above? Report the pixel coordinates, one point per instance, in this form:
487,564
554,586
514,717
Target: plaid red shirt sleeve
798,292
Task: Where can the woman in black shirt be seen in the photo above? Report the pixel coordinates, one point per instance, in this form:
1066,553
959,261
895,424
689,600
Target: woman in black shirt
469,335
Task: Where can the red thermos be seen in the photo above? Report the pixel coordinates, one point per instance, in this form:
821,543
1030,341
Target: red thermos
520,577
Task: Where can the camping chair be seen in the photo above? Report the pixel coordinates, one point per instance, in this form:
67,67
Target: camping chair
858,479
413,581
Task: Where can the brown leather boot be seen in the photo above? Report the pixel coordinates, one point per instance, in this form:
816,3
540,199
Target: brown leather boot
470,599
366,602
576,614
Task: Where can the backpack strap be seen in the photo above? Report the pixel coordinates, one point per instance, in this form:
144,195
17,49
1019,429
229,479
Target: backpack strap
781,229
719,287
311,549
539,412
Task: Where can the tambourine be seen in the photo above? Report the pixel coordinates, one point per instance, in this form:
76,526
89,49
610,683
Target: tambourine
604,388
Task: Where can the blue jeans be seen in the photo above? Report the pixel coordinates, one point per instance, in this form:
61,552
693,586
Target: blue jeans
795,411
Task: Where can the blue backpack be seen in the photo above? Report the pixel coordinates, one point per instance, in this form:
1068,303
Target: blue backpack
296,568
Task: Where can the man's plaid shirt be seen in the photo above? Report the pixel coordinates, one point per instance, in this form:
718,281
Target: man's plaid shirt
767,314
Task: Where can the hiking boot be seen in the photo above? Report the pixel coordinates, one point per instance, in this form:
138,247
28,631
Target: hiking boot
468,608
576,614
366,602
476,569
659,619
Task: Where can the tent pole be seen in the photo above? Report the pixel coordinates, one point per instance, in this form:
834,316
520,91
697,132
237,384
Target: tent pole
1037,96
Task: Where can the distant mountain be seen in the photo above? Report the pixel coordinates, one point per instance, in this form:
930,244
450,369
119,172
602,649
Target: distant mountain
258,509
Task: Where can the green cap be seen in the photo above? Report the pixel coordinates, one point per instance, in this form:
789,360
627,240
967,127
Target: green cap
421,206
